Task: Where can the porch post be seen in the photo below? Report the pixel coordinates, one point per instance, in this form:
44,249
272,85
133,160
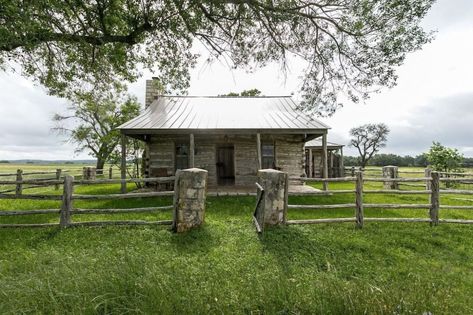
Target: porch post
342,166
324,160
191,150
258,150
311,164
331,171
123,164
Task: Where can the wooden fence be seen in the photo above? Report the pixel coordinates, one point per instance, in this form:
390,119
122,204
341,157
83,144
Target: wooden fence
432,185
67,209
29,179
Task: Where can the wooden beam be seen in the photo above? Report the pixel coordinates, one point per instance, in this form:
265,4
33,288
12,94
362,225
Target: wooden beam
66,206
258,150
434,199
342,166
324,160
123,164
311,164
331,164
191,150
359,199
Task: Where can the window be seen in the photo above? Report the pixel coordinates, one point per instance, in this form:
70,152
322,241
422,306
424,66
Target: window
182,156
267,155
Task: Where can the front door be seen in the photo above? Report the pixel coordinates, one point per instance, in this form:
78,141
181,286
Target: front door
226,165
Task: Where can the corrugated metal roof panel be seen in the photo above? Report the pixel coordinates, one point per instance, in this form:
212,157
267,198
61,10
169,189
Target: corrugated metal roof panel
193,112
316,143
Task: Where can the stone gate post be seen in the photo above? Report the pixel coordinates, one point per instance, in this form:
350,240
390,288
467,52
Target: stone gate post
190,190
390,172
275,185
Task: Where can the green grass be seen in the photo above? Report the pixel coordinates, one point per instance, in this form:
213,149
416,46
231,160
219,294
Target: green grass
225,267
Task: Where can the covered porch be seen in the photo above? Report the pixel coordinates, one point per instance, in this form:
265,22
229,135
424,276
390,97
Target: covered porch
232,160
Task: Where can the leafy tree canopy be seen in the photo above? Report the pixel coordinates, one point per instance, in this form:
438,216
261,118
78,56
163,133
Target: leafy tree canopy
444,159
251,92
352,46
94,117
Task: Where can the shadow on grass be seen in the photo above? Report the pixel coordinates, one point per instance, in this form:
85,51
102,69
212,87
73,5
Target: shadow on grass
197,240
43,236
286,244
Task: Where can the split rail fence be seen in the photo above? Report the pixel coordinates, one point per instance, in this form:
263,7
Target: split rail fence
67,209
432,188
38,179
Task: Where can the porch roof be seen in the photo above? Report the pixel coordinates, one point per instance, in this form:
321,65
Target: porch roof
200,114
317,144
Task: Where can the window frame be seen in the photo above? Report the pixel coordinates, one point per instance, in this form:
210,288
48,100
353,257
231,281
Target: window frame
266,157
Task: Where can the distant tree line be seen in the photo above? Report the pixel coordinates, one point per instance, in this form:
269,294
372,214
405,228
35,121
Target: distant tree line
397,160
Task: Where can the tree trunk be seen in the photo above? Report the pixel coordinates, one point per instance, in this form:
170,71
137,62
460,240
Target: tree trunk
100,165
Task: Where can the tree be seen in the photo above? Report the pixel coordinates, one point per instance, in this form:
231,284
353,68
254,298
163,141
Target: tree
251,92
444,159
349,46
94,117
368,139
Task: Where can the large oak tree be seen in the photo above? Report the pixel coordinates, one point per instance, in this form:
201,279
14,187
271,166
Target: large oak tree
350,46
92,120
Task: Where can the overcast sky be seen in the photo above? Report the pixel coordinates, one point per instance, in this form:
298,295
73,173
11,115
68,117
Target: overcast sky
432,101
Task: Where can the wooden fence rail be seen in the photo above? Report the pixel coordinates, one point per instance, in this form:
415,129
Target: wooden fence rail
67,199
432,185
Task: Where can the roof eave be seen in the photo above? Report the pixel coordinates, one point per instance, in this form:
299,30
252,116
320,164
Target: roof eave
224,131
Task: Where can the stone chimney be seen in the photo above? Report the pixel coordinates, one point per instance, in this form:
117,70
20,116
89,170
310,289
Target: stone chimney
154,88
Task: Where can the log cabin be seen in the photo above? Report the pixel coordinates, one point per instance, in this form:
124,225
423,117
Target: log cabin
230,137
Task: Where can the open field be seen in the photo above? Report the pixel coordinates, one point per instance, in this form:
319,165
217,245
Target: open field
224,267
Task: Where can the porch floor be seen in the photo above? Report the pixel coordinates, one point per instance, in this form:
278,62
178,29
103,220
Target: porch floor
251,190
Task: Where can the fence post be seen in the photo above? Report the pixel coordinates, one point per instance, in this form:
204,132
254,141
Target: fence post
352,171
19,186
110,170
286,198
428,174
58,177
434,199
66,206
390,172
359,199
275,192
189,199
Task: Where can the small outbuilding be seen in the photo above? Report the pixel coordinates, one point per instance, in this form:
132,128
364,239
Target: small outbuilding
230,137
314,155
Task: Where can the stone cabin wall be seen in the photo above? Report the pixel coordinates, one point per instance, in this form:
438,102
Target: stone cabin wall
289,151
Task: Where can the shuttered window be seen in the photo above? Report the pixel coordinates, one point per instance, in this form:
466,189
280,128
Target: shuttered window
268,155
182,156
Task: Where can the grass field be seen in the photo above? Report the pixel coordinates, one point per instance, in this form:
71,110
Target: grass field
224,267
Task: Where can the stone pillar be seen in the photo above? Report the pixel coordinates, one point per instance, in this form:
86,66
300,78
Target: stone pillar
190,189
275,185
89,173
390,172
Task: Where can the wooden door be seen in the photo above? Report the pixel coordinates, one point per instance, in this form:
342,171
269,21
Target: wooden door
226,165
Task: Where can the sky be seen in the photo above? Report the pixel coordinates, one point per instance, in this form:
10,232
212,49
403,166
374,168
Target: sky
433,100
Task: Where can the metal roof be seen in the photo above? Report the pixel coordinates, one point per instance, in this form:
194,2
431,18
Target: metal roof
317,143
183,113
